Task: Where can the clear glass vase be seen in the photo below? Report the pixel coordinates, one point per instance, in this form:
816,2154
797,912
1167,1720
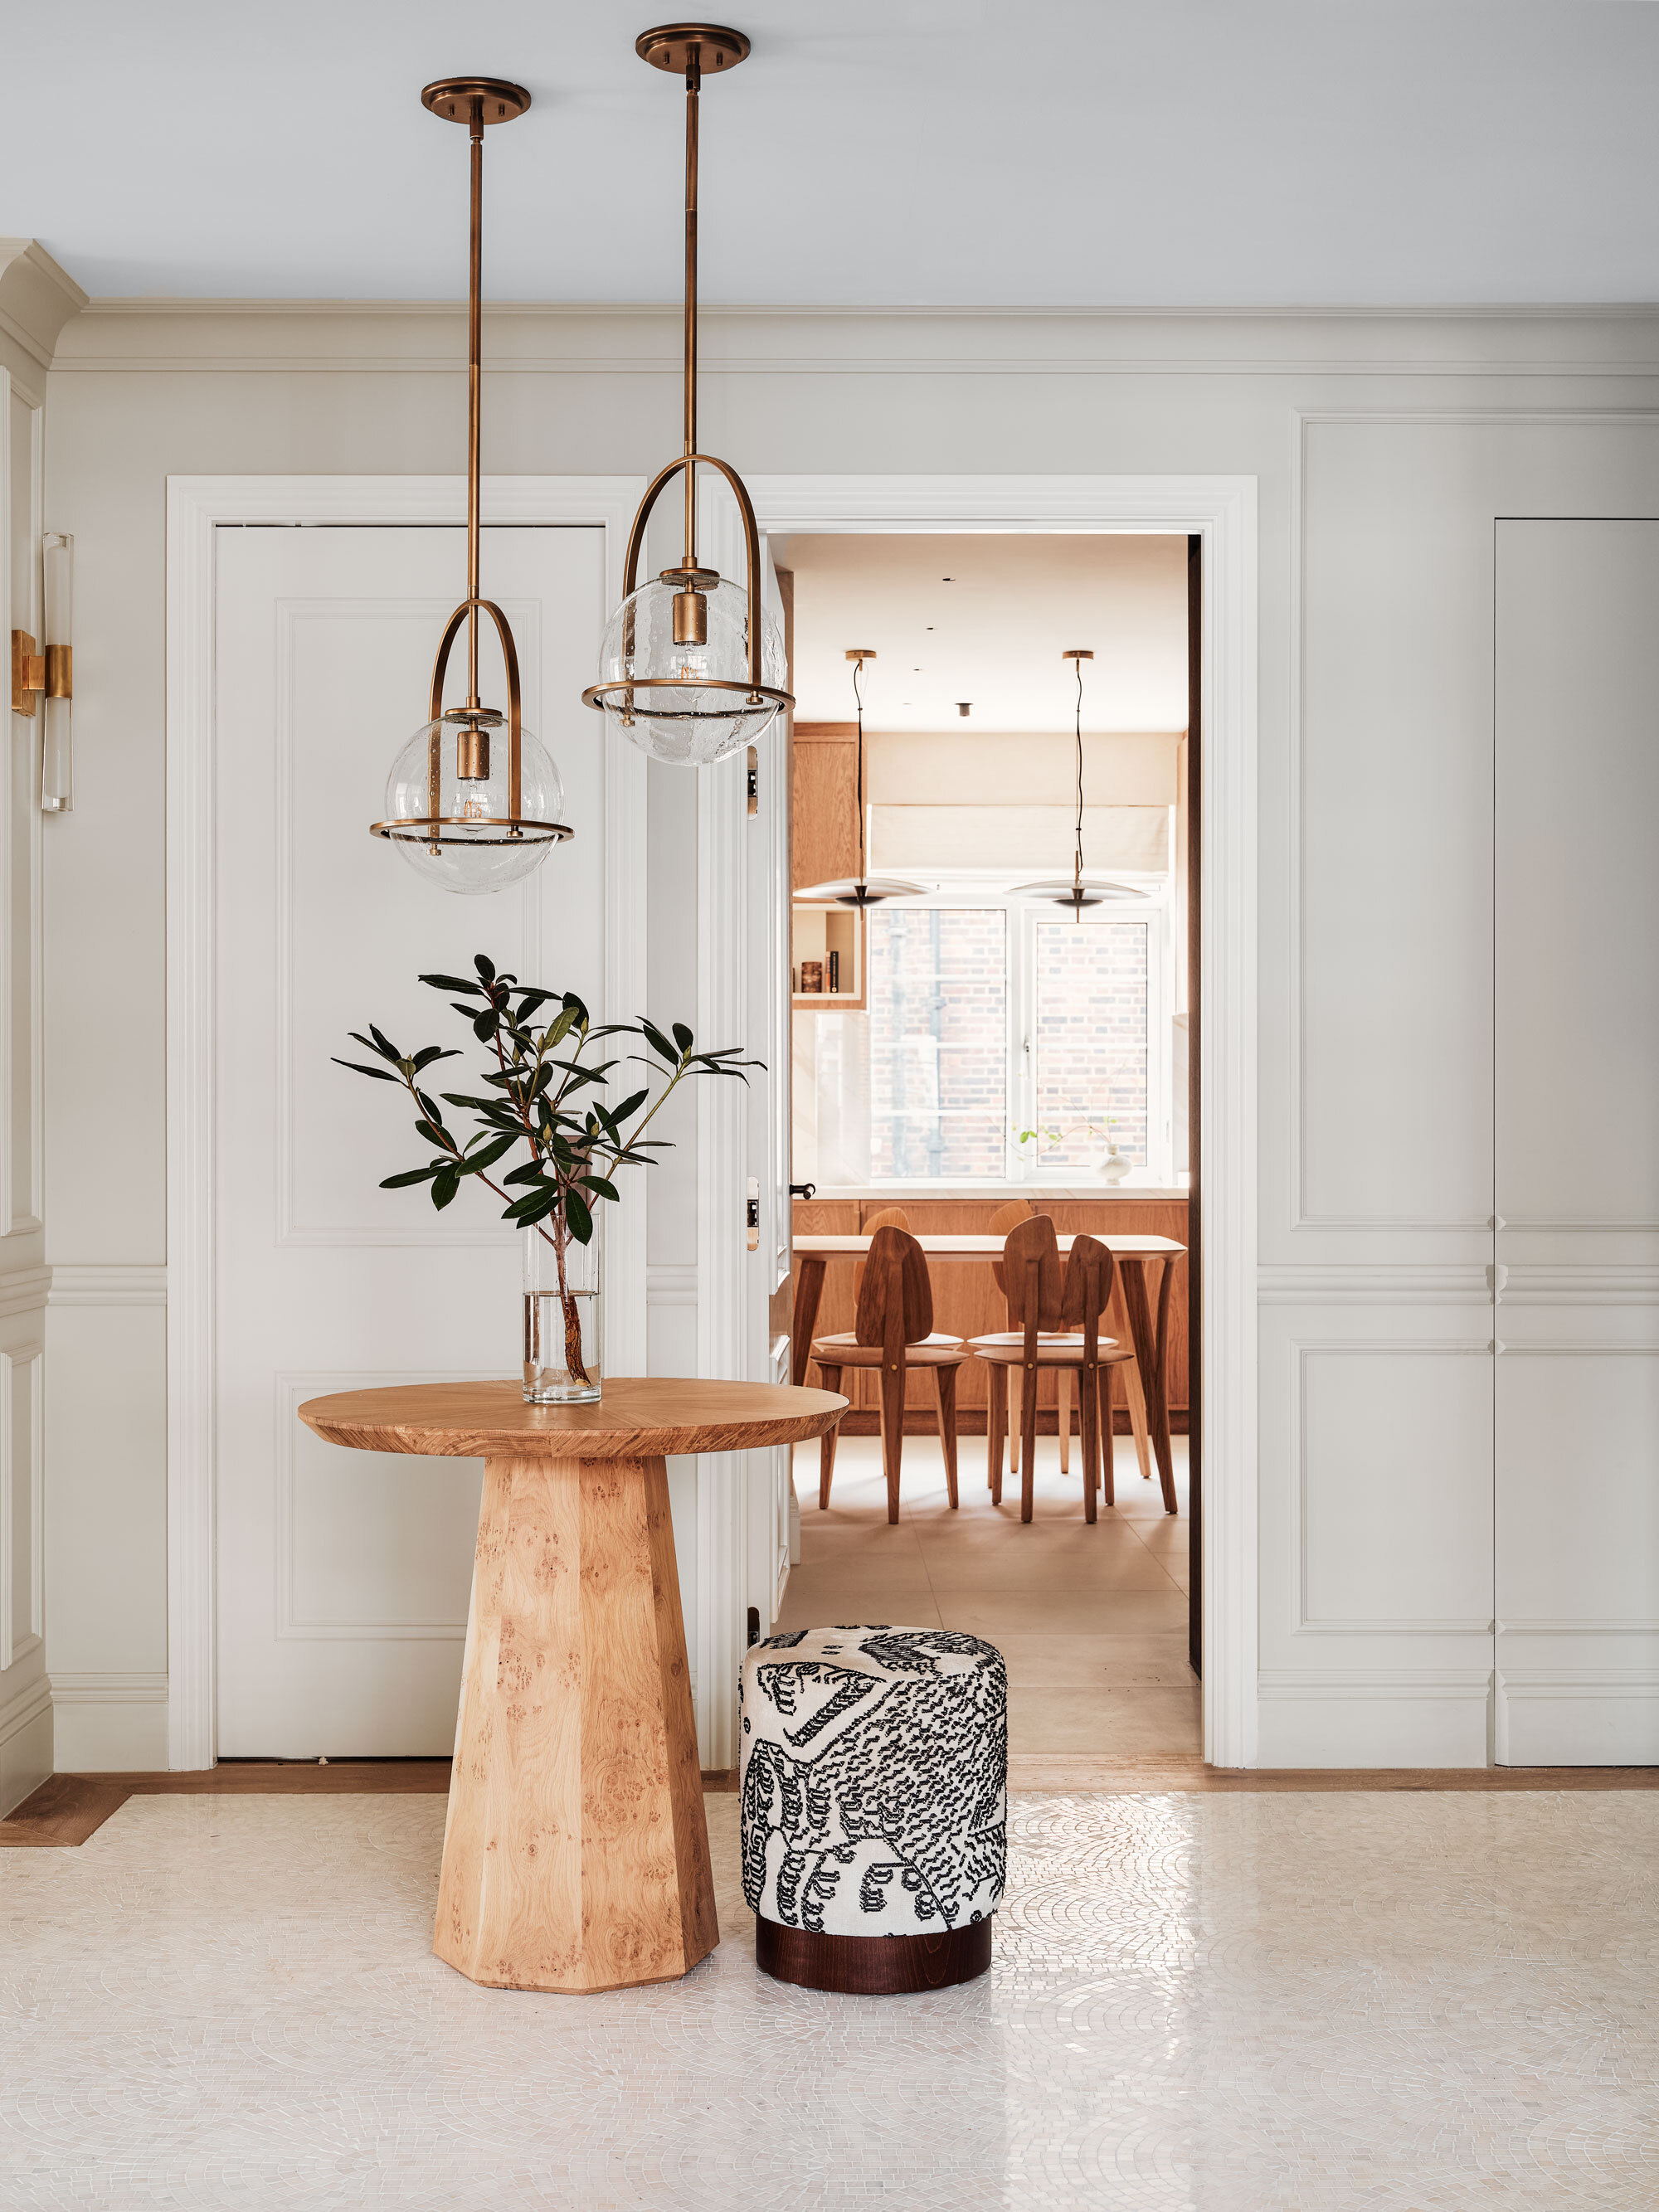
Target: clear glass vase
561,1322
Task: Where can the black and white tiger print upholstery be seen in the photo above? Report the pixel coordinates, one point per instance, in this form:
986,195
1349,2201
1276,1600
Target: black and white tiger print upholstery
874,1777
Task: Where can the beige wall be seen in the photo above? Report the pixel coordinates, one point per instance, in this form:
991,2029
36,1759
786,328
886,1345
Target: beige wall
1383,446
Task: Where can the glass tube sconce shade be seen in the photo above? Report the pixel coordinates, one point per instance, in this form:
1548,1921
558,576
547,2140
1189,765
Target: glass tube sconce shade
691,666
57,620
473,801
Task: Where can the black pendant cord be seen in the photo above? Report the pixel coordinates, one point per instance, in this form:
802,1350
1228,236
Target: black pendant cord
858,693
1076,882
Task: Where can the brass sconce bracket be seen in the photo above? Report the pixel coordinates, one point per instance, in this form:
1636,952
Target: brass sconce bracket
28,673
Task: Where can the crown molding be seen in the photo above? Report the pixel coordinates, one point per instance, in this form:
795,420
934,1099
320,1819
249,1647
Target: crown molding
37,298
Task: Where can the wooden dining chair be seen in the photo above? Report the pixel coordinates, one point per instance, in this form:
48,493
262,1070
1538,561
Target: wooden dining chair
1057,1314
893,1331
890,1217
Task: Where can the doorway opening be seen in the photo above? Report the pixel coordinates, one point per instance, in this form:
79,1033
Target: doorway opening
969,1051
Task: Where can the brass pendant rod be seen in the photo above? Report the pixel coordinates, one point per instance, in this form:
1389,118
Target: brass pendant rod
858,693
693,86
474,392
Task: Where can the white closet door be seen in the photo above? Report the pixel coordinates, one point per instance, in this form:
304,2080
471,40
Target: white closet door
1576,1127
343,1576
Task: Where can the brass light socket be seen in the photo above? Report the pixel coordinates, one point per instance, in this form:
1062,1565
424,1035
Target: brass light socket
690,618
60,671
472,754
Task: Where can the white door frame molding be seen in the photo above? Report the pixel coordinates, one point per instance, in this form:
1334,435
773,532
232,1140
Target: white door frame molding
1222,511
197,507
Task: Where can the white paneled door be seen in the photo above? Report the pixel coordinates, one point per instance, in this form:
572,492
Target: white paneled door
1576,1160
342,1576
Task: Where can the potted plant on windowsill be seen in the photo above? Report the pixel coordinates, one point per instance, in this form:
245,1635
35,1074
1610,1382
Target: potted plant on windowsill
1110,1164
540,1091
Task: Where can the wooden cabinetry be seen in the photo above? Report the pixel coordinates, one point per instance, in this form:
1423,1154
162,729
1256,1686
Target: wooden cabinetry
966,1301
825,821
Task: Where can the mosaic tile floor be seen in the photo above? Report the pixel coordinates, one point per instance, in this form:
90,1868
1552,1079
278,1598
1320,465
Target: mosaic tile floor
1275,2003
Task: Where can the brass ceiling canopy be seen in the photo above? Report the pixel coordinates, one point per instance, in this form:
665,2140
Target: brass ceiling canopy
468,814
452,97
691,667
677,45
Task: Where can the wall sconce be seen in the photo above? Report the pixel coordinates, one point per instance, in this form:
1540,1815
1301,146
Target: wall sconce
50,672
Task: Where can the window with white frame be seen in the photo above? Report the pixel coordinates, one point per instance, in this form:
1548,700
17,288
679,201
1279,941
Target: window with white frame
1004,1040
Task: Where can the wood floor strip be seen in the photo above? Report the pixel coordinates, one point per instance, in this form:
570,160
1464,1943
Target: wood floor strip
64,1811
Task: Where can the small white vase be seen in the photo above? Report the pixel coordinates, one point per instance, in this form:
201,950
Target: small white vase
1114,1167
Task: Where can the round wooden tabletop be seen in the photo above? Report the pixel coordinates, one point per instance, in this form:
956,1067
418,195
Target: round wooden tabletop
639,1417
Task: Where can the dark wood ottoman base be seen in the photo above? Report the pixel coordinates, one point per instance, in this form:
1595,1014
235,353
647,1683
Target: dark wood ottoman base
872,1966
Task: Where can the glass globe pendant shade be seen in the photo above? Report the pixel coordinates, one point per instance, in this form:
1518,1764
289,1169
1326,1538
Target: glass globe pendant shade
688,699
468,841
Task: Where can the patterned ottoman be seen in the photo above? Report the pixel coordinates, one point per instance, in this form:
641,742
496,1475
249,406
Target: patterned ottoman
875,1766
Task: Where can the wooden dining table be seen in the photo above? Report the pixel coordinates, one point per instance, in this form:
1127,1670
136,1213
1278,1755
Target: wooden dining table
1135,1256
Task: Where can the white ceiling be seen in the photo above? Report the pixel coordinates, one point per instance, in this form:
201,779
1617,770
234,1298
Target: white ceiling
993,635
937,152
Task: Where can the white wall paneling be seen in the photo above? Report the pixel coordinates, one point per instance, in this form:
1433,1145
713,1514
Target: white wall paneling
197,508
25,1721
1576,1165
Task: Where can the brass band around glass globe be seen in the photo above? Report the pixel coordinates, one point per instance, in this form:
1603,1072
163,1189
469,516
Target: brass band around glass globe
428,829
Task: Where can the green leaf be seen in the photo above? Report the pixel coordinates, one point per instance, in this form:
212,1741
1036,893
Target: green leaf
579,1220
428,1053
483,1027
383,1044
601,1188
683,1036
475,1163
658,1043
452,984
485,966
445,1186
530,1172
380,1074
411,1175
631,1104
534,1205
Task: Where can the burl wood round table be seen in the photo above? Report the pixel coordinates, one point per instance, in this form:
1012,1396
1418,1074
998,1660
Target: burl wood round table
575,1850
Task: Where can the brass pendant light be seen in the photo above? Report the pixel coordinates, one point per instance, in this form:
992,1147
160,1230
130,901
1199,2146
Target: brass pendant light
1080,890
862,890
470,811
691,666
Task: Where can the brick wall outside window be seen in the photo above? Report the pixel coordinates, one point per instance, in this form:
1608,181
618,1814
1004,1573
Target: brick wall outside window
938,1000
1092,1037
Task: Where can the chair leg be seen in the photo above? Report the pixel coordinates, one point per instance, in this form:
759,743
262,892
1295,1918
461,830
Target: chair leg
1137,1398
830,1379
892,1434
1028,1443
1063,1416
1088,1407
1014,1392
996,1422
945,1382
1107,1394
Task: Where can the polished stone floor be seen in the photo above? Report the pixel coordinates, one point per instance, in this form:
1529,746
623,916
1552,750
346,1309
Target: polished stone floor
1286,2002
1091,1618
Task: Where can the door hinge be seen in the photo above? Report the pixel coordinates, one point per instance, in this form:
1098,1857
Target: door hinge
753,785
751,1213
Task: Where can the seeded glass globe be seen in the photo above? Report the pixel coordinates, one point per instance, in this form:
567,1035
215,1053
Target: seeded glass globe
689,724
475,851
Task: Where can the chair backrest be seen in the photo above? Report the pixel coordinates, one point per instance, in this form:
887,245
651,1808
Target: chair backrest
890,1217
1005,1218
1036,1290
1089,1269
896,1298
